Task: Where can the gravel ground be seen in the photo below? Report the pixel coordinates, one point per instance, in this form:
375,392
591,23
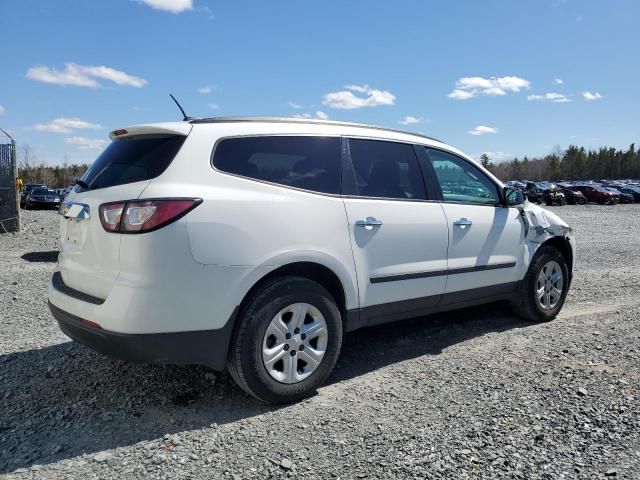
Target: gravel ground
470,394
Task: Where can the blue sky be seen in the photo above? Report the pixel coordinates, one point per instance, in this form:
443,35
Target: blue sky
502,76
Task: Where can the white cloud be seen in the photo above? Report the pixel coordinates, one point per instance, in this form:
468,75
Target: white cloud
410,120
319,115
550,97
458,94
2,110
83,76
469,87
346,100
588,96
482,130
213,106
207,89
65,125
173,6
558,81
115,76
295,106
86,143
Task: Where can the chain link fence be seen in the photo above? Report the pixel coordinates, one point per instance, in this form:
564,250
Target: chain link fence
9,201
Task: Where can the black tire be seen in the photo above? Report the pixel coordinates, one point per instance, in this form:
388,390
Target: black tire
245,353
526,304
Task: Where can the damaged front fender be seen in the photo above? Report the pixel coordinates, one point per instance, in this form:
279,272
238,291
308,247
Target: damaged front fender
541,225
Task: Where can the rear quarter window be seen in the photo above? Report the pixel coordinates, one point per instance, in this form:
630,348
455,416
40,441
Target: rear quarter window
134,159
307,162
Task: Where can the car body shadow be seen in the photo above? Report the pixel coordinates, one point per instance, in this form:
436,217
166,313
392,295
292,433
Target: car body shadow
64,400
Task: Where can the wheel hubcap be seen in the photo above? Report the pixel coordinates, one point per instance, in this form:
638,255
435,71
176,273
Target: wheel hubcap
295,343
549,285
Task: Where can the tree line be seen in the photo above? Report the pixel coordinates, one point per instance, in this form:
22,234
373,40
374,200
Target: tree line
31,170
573,163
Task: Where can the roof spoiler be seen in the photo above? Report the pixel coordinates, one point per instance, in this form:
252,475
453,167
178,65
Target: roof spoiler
152,129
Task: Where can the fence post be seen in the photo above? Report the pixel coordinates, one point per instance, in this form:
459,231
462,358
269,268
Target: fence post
14,160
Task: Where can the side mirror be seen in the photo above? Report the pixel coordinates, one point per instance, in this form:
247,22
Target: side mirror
513,197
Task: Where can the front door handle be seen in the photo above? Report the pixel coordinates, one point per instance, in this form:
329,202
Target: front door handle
463,222
369,223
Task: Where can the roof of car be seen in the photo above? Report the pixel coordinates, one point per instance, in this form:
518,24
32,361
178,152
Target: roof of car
312,121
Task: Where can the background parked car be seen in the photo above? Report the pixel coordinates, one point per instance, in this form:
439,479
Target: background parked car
551,193
27,190
624,197
573,196
42,198
595,193
632,190
533,192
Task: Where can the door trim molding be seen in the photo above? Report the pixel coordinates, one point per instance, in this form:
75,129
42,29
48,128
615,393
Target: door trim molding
417,307
438,273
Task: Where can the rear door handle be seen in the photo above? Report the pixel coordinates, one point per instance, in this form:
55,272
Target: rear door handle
369,223
463,222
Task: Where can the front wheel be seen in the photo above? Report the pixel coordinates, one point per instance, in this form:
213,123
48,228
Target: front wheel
287,340
544,287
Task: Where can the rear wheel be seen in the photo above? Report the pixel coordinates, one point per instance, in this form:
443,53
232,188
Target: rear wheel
544,288
287,340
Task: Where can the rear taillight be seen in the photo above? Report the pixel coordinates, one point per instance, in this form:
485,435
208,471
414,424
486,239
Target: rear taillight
140,216
110,214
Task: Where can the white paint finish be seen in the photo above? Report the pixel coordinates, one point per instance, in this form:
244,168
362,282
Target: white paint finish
411,239
243,222
496,235
90,257
191,274
166,128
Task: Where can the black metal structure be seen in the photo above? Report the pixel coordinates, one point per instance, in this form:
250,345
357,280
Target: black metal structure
9,202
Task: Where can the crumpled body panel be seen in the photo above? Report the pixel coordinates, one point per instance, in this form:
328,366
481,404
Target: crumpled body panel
542,225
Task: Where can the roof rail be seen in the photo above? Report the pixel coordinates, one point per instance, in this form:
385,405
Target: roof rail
306,120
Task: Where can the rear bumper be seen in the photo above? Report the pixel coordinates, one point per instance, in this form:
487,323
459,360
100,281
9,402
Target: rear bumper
204,347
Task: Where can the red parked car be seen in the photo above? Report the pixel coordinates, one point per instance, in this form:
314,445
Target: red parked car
598,194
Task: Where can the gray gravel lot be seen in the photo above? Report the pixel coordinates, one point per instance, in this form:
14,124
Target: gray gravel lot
470,394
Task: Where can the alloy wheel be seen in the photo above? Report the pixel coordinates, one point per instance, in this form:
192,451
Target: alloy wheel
549,285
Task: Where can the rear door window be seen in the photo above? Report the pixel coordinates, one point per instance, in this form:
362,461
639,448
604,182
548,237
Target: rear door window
386,170
134,159
307,162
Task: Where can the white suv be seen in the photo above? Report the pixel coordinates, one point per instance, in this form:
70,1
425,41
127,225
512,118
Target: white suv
256,244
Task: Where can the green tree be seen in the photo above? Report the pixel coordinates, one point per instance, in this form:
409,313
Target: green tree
485,160
516,168
554,167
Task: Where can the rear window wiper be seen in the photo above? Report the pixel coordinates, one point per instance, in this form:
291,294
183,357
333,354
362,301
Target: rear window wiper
82,184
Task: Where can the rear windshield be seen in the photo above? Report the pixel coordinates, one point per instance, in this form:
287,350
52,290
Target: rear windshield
134,159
